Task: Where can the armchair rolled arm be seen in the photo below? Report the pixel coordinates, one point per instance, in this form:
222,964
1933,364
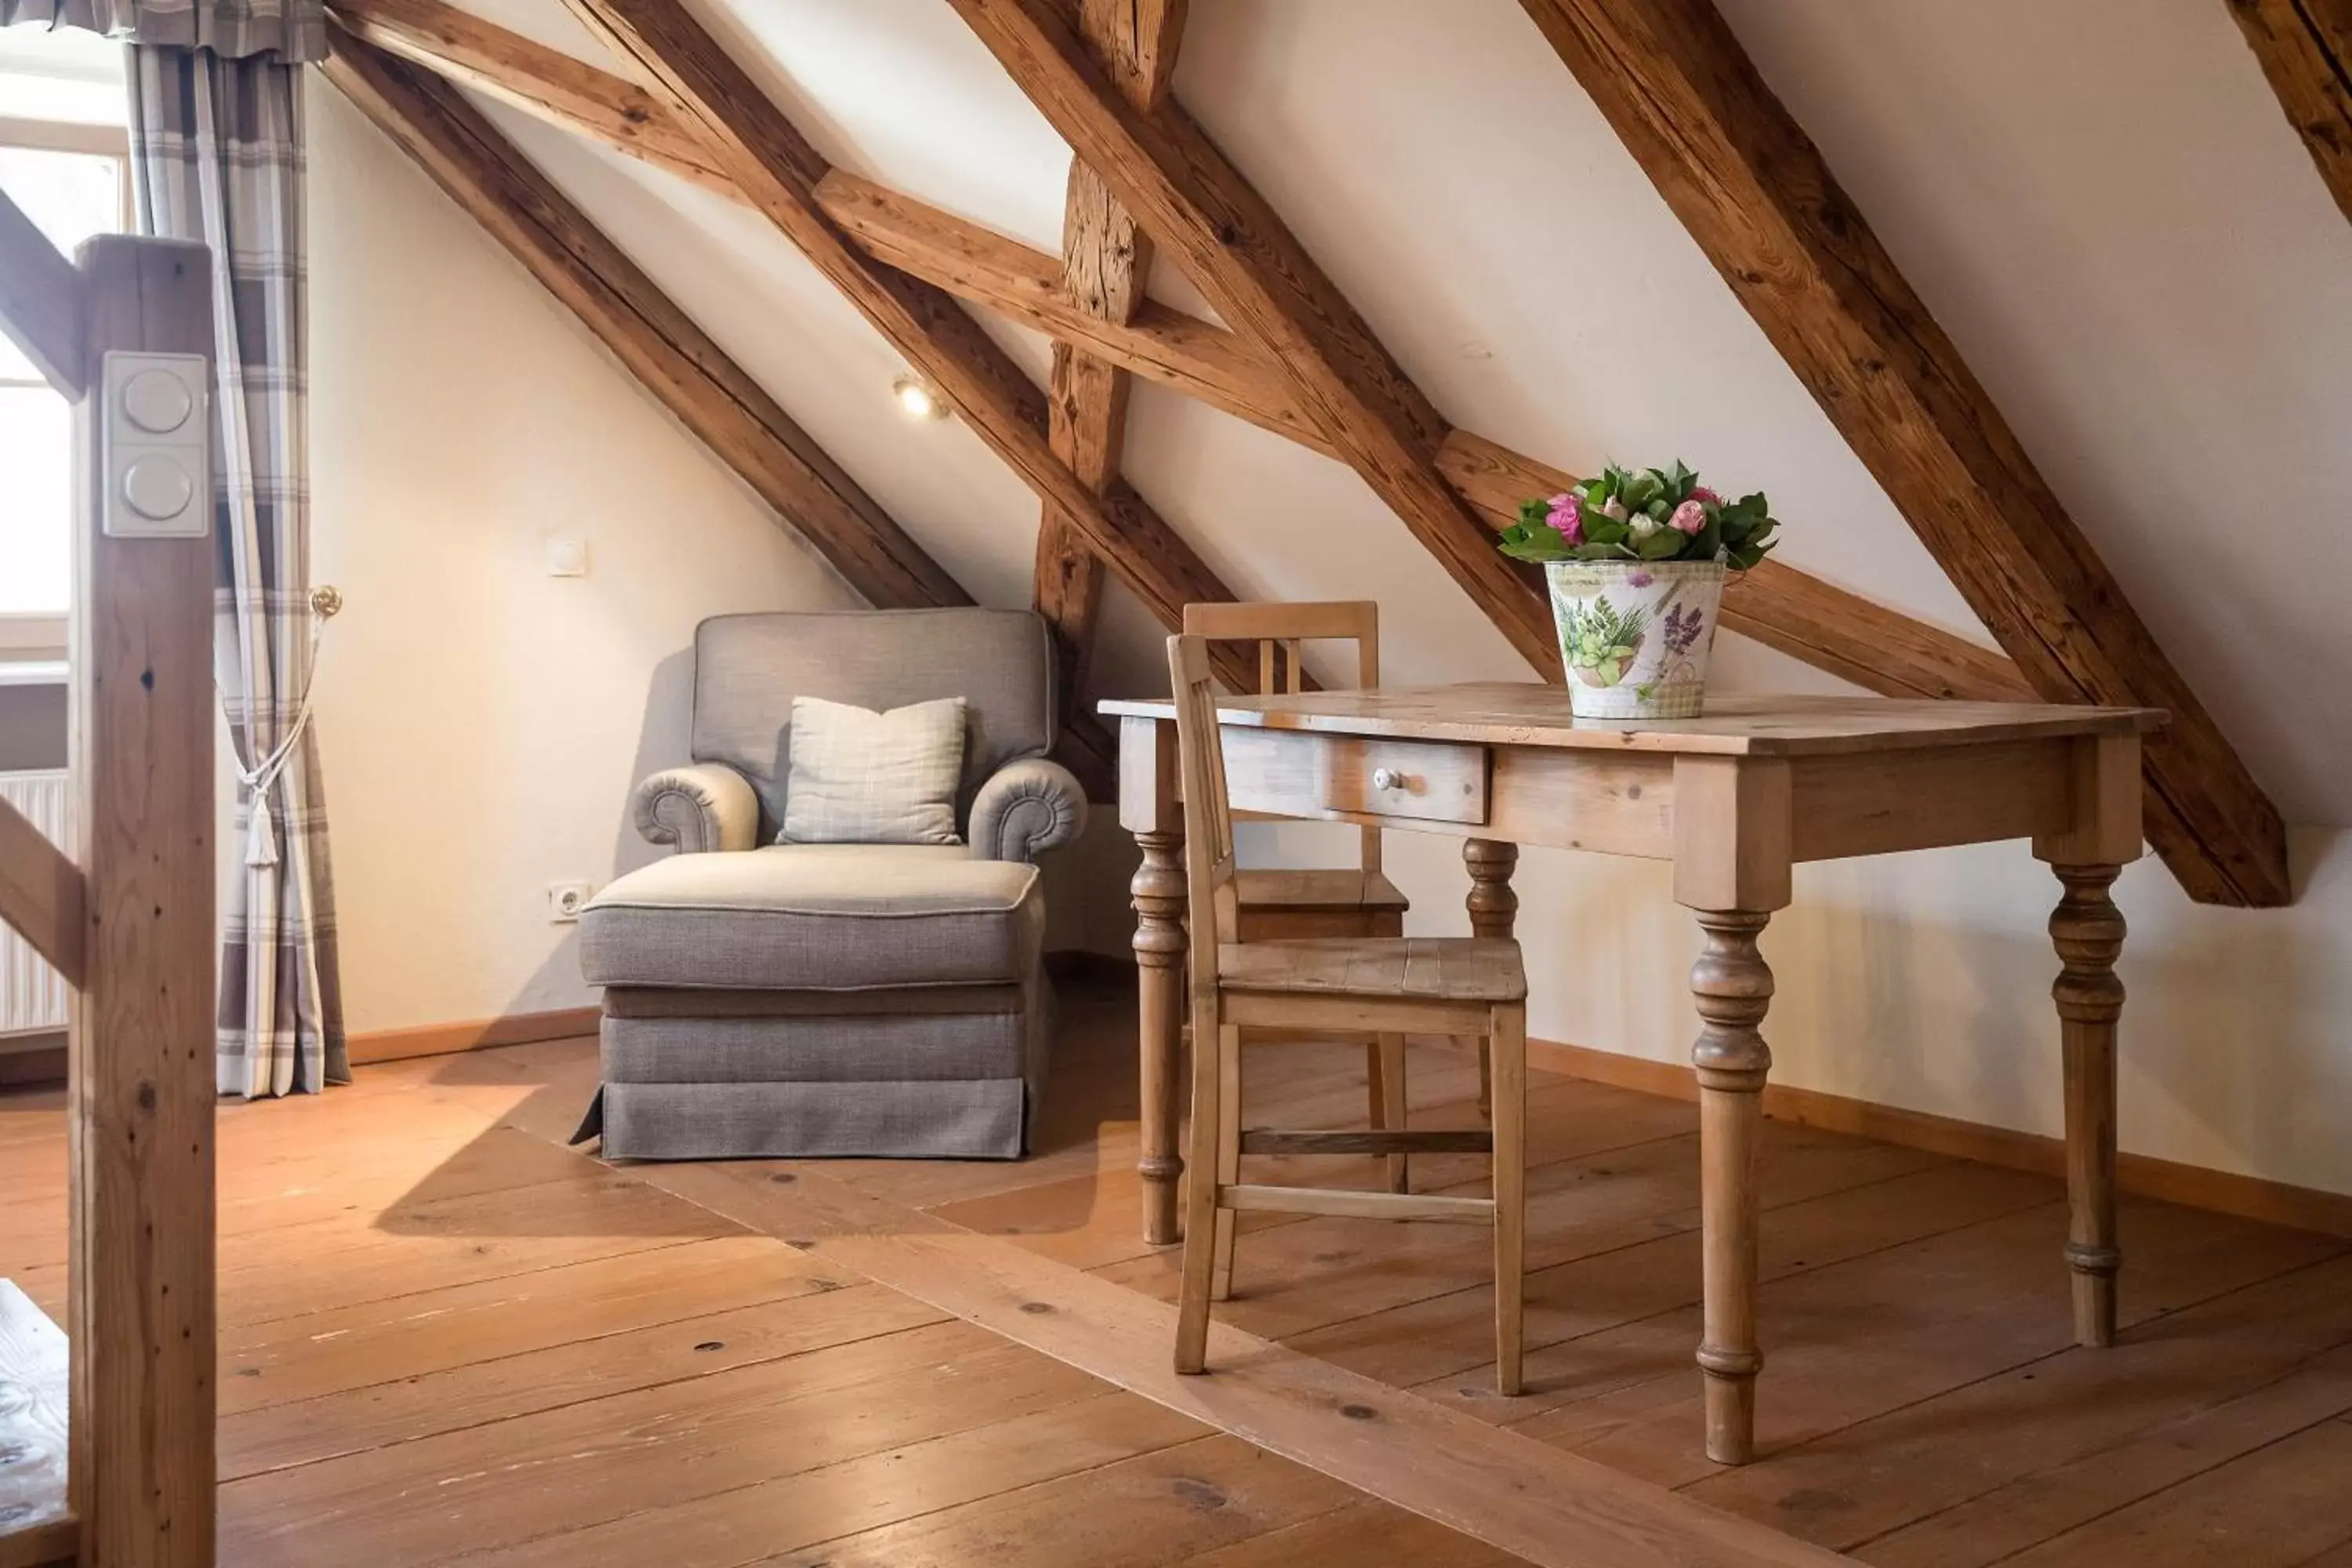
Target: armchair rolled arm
1025,808
707,807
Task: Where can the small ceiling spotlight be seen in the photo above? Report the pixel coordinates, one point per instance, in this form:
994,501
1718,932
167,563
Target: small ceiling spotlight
917,399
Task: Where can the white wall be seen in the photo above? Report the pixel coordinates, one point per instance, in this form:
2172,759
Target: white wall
1922,981
483,722
2146,271
2139,261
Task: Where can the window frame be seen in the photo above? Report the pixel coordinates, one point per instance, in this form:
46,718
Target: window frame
26,636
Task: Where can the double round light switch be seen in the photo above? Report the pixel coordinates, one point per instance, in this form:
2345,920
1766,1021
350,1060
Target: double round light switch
157,402
158,486
156,446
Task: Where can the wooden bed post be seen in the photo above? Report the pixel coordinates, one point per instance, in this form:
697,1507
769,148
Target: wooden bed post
141,1068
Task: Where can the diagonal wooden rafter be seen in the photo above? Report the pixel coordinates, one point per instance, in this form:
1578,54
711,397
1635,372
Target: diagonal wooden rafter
41,894
777,170
40,300
1836,631
710,394
1106,261
1757,196
1842,634
2306,50
1212,223
528,76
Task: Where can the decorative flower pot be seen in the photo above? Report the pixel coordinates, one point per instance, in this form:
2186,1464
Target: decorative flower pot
1636,633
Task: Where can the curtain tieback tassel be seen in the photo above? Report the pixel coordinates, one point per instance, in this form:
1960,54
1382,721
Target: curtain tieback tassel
262,827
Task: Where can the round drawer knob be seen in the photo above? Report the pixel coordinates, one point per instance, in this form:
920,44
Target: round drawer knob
1386,778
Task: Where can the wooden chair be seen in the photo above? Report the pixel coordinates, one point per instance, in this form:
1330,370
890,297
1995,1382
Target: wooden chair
1331,902
1470,986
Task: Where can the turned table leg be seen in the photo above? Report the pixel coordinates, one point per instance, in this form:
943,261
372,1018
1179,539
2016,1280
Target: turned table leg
1733,987
1494,907
1158,888
2088,931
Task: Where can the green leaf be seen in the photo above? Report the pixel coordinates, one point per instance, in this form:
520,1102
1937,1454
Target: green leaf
1533,512
1598,530
1661,545
1708,540
1643,488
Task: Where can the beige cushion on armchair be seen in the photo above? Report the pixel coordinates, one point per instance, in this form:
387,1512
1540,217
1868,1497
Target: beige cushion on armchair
857,776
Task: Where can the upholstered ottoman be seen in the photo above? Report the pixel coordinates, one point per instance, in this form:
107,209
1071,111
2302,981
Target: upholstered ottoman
818,1000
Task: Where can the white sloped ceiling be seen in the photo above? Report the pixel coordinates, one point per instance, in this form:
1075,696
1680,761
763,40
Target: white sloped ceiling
2100,200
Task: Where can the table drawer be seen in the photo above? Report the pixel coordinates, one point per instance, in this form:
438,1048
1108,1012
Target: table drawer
1433,782
1292,772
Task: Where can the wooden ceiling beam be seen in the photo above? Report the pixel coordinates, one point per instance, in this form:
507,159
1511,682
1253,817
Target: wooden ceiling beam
524,74
1106,261
1756,196
1230,242
1842,633
778,172
1194,356
40,301
2306,50
657,342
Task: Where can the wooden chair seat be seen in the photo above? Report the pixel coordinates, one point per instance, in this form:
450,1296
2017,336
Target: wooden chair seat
1335,890
1419,968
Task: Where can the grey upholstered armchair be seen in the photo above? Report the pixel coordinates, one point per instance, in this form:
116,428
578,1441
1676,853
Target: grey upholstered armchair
766,998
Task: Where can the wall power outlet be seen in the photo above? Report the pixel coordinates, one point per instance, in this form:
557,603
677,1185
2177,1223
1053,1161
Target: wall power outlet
565,900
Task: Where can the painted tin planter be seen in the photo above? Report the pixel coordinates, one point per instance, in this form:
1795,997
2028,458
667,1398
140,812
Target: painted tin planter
1636,634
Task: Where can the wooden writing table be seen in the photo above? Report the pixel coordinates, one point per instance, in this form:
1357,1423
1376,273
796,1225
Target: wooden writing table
1734,799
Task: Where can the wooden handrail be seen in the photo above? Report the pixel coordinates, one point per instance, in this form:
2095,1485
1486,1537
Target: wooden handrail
41,893
40,300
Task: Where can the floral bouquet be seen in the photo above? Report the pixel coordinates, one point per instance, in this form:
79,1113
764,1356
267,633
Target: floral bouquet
1642,515
1635,561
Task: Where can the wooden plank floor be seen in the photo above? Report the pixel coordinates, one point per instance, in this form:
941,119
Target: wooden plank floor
446,1338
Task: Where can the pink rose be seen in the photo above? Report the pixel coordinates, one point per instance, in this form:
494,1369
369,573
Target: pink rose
1568,516
1689,517
1700,492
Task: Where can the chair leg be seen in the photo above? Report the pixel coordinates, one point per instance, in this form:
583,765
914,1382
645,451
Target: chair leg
1388,1053
1509,1040
1229,1154
1201,1215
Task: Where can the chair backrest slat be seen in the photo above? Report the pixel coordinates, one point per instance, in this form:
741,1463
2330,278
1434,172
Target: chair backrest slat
1214,908
1279,630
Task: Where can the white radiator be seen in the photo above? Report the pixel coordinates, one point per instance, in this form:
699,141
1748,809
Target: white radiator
32,996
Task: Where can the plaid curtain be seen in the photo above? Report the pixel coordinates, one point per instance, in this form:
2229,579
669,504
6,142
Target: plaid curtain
294,30
218,150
